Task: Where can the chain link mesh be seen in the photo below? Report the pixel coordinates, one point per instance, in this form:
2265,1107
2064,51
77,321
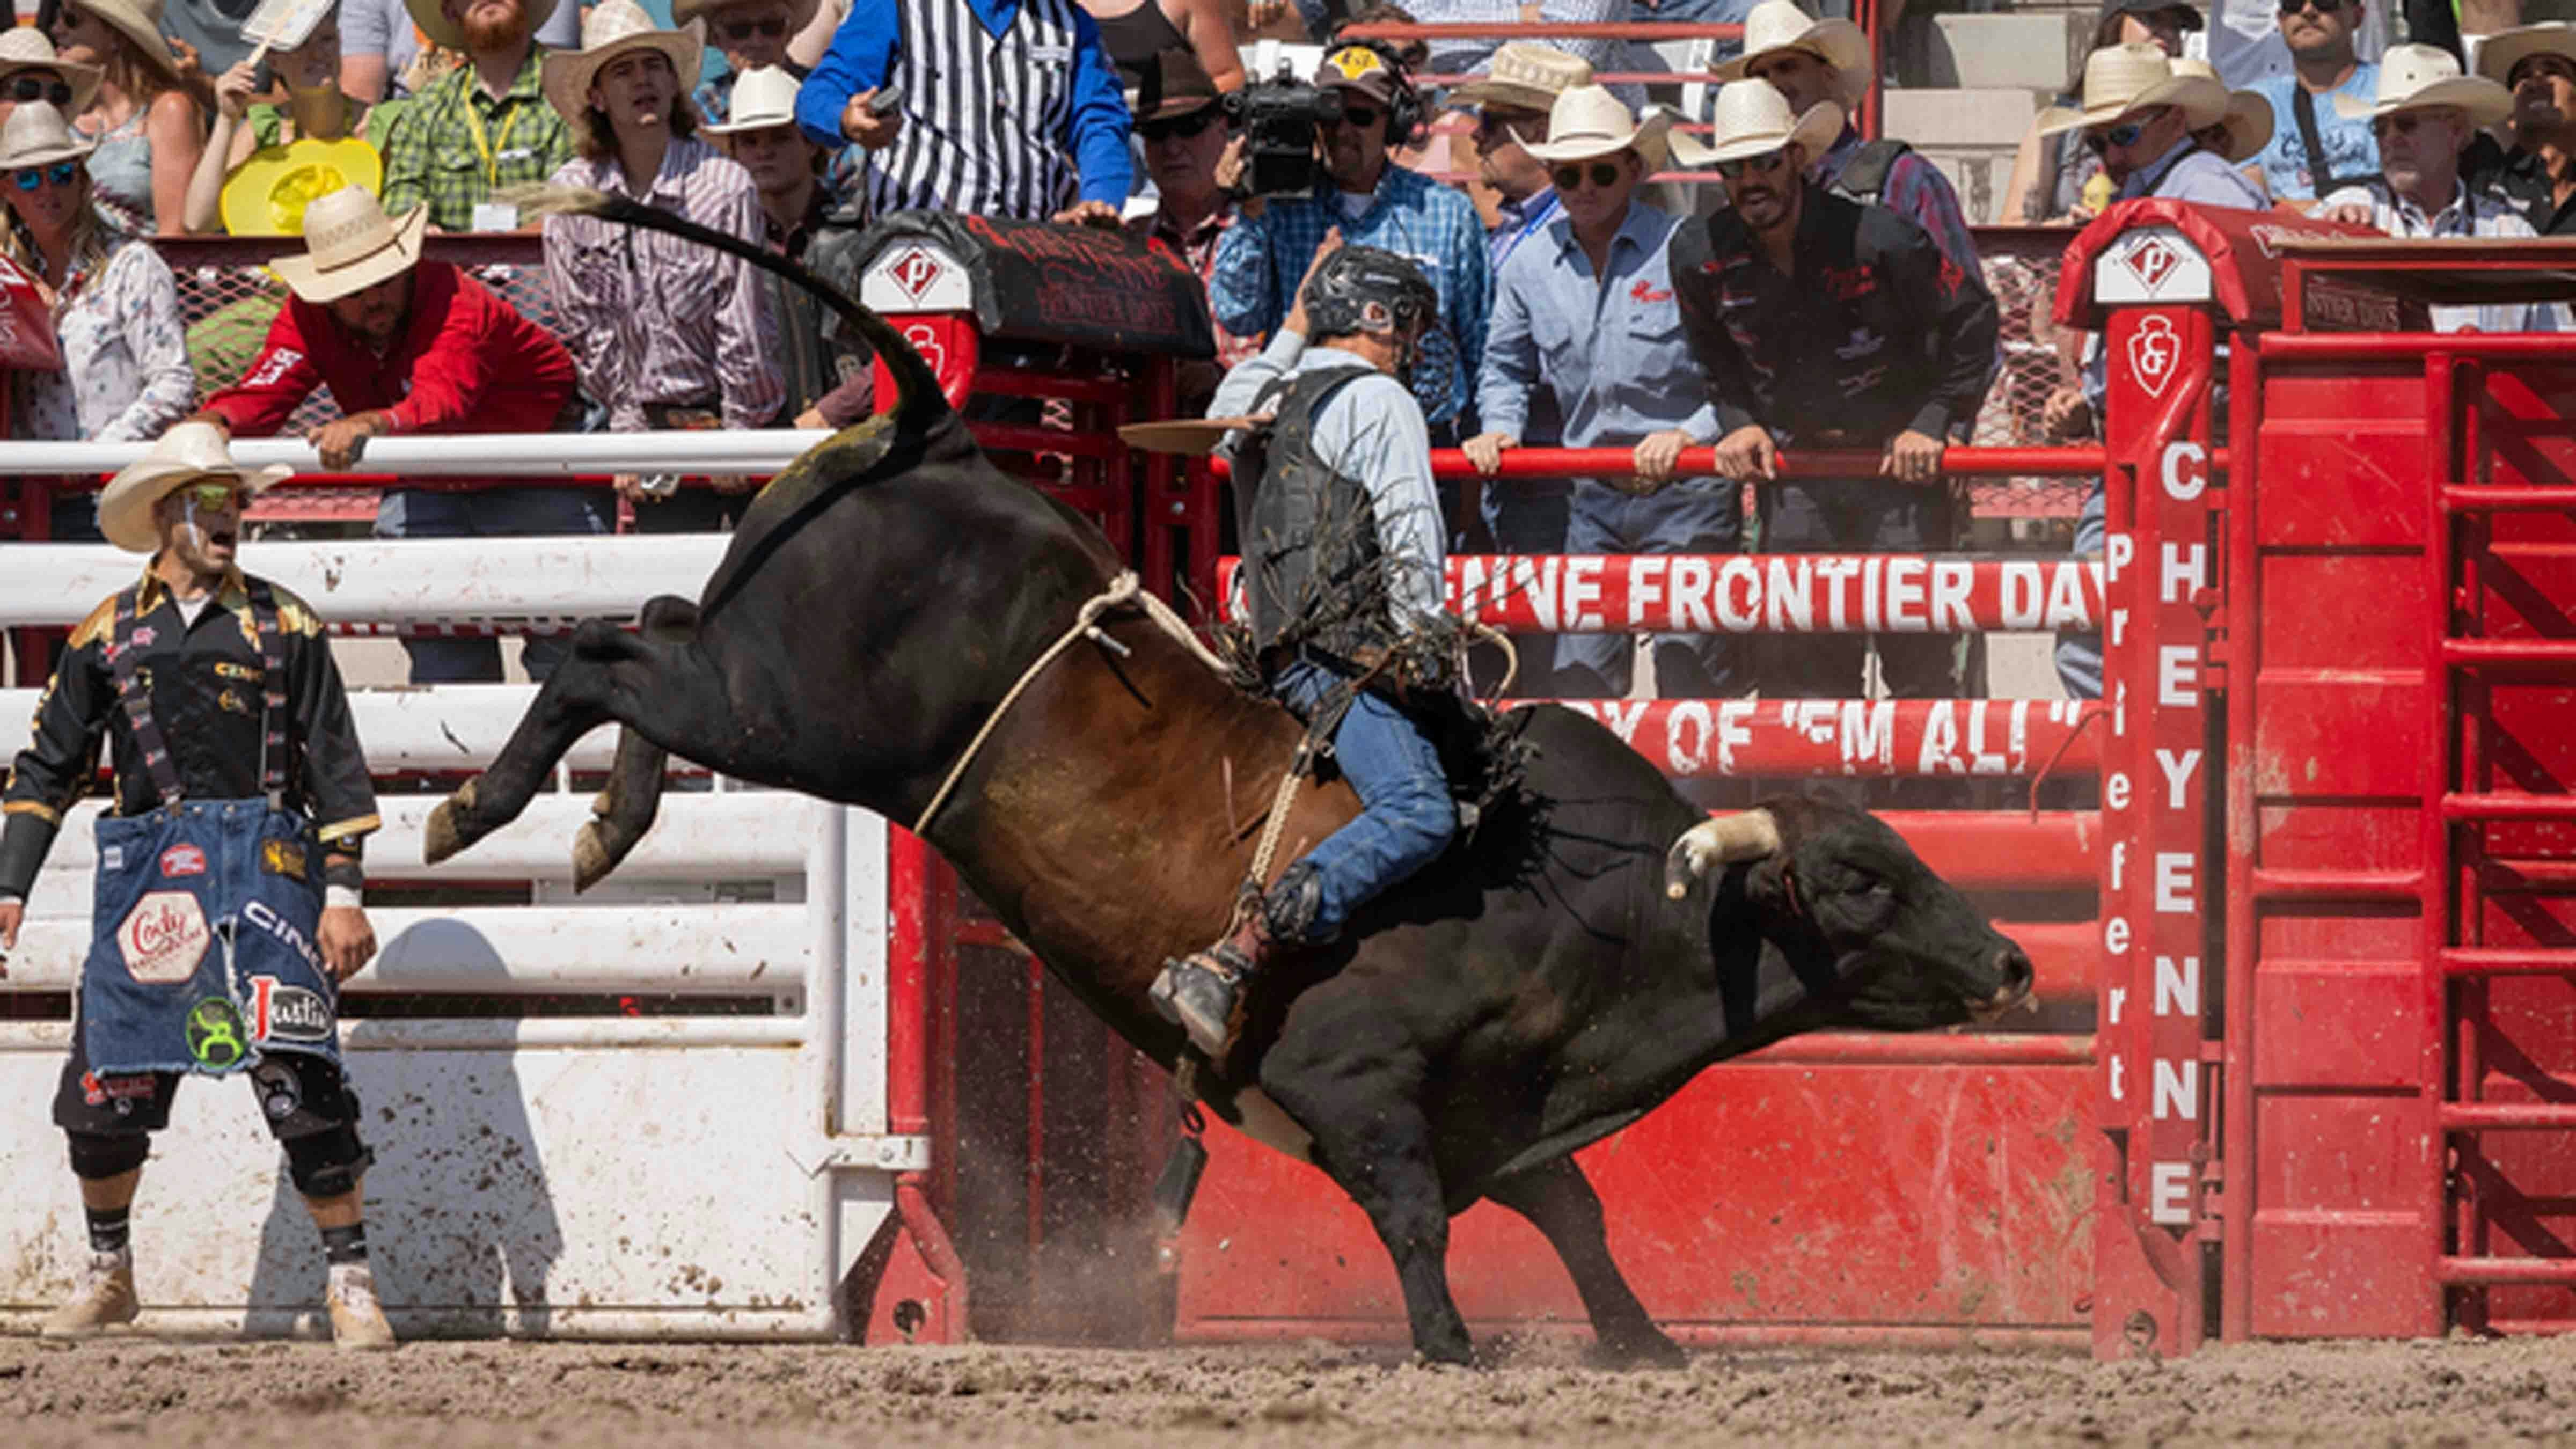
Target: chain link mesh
2021,270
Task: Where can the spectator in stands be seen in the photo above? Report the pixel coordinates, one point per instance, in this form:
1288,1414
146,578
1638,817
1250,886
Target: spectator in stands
317,110
1135,33
1373,203
1512,100
115,305
381,53
753,34
1700,12
2315,147
147,126
1059,152
827,386
30,71
2423,116
408,345
484,126
1182,122
1464,55
1809,62
2239,135
2050,174
2539,173
1585,312
666,333
1824,323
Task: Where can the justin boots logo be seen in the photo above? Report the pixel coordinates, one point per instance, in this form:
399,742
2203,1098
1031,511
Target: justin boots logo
2151,262
915,271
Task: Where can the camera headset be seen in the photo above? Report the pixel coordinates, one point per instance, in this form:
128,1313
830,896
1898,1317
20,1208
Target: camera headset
1403,104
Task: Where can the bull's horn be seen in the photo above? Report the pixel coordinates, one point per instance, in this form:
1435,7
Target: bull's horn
1747,835
916,386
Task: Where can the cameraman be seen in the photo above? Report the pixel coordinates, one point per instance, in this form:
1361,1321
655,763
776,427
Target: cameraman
1374,204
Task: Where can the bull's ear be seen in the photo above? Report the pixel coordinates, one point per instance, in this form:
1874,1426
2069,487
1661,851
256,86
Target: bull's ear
1746,835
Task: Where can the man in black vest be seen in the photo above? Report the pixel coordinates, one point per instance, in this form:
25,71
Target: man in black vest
1342,561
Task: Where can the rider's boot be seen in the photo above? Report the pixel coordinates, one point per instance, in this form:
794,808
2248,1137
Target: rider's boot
1202,990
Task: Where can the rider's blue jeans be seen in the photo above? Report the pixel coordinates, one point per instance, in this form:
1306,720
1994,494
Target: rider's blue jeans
1406,817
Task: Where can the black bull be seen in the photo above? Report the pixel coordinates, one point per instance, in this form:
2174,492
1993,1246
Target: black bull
888,589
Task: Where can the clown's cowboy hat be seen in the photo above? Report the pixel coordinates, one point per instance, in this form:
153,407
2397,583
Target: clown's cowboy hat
349,246
1588,121
614,28
24,47
1777,25
189,453
1524,75
433,22
2122,80
2249,119
1751,118
2421,77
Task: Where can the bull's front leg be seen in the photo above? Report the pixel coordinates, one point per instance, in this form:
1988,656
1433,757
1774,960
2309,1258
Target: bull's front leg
572,703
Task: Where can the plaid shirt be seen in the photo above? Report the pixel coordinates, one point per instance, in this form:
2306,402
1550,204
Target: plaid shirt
432,158
1260,261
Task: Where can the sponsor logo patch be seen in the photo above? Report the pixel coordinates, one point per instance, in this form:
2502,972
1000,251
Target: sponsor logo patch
181,860
227,669
215,1033
112,858
259,914
279,1012
281,857
914,271
98,1091
164,937
232,702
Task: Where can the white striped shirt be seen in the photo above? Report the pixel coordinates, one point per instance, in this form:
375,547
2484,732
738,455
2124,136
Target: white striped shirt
986,116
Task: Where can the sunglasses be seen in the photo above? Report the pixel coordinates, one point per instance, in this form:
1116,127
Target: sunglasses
61,173
770,29
1570,178
212,497
1177,128
1768,161
2322,7
28,88
1359,118
2124,134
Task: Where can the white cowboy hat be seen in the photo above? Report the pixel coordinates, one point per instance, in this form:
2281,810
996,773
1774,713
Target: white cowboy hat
37,134
2121,80
611,29
433,21
800,13
2499,53
2249,119
1526,75
1588,121
1777,25
765,96
1751,118
2419,77
24,47
186,453
140,22
349,246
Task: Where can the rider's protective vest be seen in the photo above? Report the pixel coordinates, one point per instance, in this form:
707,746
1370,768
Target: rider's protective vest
1312,570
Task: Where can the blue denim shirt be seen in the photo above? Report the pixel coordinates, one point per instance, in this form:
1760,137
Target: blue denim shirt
1614,354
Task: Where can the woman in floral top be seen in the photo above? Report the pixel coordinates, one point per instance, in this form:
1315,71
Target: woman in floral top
115,307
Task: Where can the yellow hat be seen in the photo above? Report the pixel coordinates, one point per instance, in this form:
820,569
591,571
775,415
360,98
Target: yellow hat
266,194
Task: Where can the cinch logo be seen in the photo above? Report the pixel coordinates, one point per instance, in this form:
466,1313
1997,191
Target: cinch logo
915,270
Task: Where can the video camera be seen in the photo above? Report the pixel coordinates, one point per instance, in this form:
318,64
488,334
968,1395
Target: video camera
1277,119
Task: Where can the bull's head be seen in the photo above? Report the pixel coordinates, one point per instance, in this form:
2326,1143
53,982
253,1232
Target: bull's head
1835,887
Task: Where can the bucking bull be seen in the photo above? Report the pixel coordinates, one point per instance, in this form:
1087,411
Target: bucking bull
884,595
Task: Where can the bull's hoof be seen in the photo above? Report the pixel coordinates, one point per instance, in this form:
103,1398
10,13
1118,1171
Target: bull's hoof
1645,1348
445,833
592,855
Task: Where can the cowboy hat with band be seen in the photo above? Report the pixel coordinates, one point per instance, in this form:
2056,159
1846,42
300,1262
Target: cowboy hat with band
764,98
431,17
612,29
1524,76
2122,80
349,246
140,22
1588,121
1751,118
2423,78
1779,25
189,453
24,49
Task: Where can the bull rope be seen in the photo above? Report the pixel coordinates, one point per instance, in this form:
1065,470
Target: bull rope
1125,589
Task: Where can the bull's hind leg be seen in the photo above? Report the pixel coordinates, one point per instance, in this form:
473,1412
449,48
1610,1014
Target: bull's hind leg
1559,1201
633,794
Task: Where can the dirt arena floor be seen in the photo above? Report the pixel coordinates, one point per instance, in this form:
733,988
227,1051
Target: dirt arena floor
144,1392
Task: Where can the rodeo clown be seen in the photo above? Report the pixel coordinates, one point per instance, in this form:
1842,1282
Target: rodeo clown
227,904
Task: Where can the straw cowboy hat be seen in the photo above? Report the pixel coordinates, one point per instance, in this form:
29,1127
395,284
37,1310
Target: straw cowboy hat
2249,118
25,47
37,134
349,246
185,454
435,24
611,29
1751,118
2419,77
1777,25
1528,76
800,13
140,22
2499,53
2121,80
1588,121
764,97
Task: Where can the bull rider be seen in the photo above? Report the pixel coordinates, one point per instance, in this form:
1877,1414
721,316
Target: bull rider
227,908
1340,507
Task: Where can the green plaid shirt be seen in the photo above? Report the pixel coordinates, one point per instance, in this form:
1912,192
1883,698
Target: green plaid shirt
432,158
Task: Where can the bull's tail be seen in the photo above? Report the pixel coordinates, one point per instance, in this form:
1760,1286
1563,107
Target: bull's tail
918,399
